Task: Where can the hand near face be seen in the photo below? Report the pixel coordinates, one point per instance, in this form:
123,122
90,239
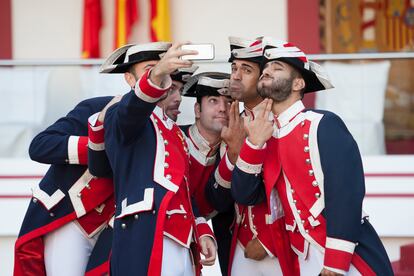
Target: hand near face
170,62
260,129
208,250
254,250
102,114
234,134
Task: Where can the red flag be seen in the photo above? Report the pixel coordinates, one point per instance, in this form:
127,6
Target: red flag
92,22
160,20
126,14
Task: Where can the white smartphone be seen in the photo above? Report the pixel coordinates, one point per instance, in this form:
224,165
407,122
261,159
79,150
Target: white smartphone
205,51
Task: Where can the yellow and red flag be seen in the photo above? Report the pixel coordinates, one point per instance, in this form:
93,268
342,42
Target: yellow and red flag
126,14
160,20
92,23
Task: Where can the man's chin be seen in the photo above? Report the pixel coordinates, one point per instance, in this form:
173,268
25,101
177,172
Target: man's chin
173,114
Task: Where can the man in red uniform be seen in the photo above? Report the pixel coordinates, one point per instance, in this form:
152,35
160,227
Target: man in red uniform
309,167
155,223
204,139
254,251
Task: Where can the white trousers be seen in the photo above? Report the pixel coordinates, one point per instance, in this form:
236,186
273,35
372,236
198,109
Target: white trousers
176,260
67,251
313,265
244,266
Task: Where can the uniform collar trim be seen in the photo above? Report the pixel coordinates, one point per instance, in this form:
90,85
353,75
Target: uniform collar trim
200,142
287,116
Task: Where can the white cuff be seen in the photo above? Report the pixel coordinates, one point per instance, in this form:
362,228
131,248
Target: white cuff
230,166
254,146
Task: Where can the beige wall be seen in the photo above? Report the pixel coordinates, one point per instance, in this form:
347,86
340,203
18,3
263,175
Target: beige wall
53,28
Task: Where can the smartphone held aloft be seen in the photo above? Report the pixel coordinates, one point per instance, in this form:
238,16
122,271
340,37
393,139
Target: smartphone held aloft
205,51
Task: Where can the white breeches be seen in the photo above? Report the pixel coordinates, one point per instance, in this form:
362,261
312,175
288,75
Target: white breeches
67,251
244,266
176,260
313,264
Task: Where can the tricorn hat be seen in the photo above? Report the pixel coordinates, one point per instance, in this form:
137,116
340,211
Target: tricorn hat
120,60
184,74
207,84
245,49
314,75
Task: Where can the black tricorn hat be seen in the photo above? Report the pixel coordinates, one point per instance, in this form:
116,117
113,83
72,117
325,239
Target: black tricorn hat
245,49
184,74
207,84
120,60
314,75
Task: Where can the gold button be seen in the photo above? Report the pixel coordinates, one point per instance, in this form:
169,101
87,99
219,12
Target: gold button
34,200
167,154
314,183
305,136
185,216
168,176
302,123
87,186
136,216
307,161
52,214
166,165
310,172
317,195
299,212
123,225
166,142
306,149
154,212
79,195
294,201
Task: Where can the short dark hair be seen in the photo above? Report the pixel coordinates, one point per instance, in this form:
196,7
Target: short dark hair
199,99
131,69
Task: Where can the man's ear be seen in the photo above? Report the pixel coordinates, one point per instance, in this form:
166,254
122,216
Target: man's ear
197,110
130,79
298,84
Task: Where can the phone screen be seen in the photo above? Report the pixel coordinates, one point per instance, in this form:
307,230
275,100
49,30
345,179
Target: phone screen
205,51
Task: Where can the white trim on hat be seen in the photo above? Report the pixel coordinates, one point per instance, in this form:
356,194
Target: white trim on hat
154,46
288,52
241,42
321,74
248,52
108,65
206,81
270,41
284,49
